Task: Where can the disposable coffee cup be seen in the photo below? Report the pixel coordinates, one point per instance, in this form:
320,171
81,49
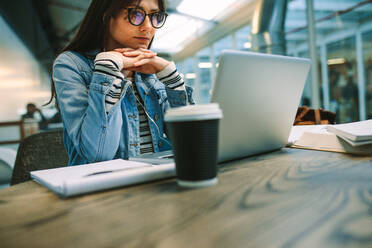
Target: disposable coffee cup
193,131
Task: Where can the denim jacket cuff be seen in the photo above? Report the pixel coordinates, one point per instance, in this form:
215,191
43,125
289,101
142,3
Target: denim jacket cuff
177,98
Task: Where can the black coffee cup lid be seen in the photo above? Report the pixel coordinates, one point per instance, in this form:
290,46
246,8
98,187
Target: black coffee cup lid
194,113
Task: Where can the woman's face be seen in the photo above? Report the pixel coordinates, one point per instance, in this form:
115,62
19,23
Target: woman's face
122,34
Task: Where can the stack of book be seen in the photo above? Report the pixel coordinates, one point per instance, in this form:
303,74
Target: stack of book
355,133
355,137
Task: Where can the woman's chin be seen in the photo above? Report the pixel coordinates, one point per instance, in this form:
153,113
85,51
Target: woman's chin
144,46
135,46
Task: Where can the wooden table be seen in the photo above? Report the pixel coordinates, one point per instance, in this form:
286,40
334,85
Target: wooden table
288,198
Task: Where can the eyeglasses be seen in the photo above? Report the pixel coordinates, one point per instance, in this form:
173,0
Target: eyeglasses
136,17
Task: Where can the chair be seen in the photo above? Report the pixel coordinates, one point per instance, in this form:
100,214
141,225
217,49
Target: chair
44,150
7,160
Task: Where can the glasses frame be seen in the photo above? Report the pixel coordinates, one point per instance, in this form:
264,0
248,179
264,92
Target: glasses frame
149,15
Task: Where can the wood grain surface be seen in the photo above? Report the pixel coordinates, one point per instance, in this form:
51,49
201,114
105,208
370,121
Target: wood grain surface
288,198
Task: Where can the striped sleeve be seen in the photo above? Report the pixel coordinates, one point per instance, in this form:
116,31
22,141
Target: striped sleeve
110,63
170,77
113,96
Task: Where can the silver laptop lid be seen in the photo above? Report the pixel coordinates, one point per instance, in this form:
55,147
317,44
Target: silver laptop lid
259,95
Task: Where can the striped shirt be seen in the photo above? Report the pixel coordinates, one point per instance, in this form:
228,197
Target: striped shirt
146,145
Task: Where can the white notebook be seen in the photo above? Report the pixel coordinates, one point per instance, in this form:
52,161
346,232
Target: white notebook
74,180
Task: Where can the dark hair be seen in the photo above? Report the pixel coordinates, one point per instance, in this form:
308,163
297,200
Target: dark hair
93,31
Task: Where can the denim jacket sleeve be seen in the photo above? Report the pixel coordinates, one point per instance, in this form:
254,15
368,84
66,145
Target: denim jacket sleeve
94,134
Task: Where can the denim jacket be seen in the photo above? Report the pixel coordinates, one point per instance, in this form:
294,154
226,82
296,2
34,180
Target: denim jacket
91,135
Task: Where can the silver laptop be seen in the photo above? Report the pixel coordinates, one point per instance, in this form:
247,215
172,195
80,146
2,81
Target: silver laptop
259,95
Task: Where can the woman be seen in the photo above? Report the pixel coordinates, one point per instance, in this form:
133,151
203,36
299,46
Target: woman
112,90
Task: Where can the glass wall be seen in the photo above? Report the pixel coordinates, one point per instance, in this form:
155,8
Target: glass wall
344,61
187,67
306,95
343,81
189,74
367,54
338,24
242,38
204,74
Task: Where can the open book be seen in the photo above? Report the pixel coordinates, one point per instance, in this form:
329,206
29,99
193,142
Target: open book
74,180
317,137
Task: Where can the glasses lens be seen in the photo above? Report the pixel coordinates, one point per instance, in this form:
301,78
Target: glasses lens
136,16
158,19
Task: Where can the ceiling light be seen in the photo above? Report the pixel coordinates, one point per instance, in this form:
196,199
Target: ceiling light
248,45
205,65
190,75
336,61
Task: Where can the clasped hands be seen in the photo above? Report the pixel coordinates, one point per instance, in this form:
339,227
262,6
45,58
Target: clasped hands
142,60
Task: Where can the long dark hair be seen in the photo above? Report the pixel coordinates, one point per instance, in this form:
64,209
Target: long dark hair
93,31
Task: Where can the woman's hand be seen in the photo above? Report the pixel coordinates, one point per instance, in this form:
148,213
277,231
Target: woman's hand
142,60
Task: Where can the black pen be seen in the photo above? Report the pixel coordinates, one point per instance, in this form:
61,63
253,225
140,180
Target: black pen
111,171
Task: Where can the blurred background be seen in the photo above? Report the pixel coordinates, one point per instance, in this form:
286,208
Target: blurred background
335,34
